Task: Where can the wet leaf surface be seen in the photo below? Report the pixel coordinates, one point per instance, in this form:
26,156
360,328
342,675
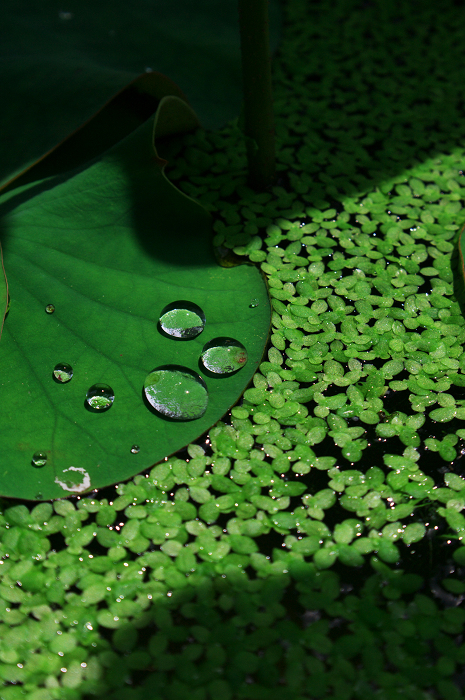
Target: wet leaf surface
111,246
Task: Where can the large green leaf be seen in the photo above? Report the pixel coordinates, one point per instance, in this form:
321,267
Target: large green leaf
3,292
110,246
57,67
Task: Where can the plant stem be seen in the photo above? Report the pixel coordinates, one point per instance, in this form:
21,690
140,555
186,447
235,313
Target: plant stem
258,100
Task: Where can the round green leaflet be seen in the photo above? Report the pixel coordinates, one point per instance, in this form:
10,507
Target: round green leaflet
110,246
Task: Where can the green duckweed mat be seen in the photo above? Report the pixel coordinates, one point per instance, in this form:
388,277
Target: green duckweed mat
310,546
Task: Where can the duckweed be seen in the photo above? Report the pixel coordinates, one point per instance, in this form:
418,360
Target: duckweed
285,545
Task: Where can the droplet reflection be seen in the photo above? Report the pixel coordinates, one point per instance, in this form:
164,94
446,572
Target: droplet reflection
176,392
224,356
100,397
183,320
62,373
39,459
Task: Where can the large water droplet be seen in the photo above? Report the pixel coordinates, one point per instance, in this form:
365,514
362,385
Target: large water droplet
100,397
62,373
39,459
182,320
135,449
224,356
49,309
176,392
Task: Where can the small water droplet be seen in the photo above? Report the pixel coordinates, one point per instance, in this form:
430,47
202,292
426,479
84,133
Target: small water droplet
254,303
224,356
183,320
100,397
176,392
49,309
62,373
135,449
39,459
38,495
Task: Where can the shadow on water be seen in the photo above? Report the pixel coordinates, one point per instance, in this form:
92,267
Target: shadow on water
371,87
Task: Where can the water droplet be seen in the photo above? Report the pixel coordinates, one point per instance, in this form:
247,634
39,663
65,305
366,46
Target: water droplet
135,449
49,309
39,459
100,397
224,356
182,320
38,496
62,373
253,304
176,392
77,481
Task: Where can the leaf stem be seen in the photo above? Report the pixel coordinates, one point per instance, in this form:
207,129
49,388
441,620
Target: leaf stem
258,100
